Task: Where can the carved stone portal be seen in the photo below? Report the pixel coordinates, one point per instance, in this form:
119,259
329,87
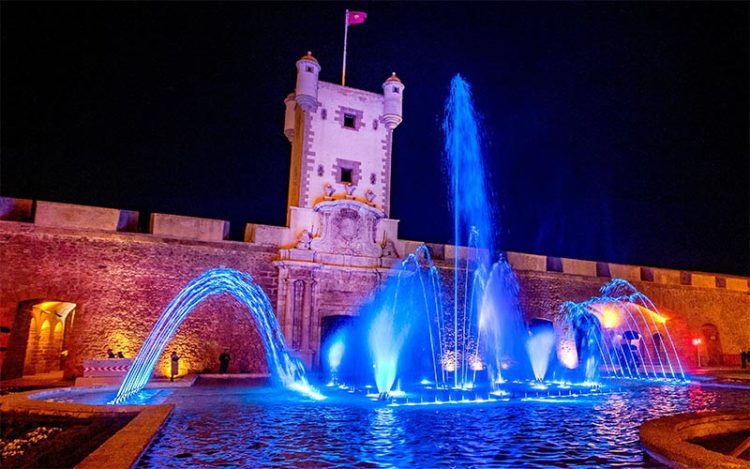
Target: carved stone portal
348,227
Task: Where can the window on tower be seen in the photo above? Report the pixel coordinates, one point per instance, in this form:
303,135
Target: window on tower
395,89
309,69
347,172
350,120
346,175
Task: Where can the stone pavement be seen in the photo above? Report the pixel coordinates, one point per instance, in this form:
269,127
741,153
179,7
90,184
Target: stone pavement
725,373
53,379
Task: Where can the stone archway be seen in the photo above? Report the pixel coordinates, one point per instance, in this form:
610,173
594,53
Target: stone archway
330,328
714,354
38,340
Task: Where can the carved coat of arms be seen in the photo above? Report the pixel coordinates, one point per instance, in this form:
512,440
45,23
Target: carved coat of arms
348,227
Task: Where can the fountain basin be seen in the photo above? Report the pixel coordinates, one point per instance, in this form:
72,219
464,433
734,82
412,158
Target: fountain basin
256,425
124,449
668,439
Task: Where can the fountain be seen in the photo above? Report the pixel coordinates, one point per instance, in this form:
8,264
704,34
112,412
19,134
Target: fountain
622,331
284,367
475,335
416,333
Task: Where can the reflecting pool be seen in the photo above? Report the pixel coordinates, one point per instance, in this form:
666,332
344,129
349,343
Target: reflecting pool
237,424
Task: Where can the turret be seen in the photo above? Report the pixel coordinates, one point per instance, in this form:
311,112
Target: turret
306,90
393,94
290,104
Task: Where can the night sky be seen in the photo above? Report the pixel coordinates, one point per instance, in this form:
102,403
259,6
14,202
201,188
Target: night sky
614,132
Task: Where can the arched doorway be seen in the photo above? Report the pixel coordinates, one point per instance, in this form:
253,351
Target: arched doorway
541,346
332,345
714,355
39,338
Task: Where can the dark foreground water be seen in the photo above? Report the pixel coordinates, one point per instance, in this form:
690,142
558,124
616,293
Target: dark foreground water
260,427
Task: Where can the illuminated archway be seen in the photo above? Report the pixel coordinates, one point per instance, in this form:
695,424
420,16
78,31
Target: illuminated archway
288,370
39,337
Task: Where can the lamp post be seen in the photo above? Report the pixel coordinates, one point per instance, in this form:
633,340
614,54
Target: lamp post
697,342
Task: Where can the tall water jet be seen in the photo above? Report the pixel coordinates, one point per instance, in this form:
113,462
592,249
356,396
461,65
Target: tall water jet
410,335
472,208
472,212
287,369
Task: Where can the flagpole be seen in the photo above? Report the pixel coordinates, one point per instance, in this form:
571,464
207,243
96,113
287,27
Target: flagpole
346,32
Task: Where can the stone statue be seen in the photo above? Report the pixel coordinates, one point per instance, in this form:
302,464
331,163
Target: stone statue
389,249
304,240
350,188
370,196
329,190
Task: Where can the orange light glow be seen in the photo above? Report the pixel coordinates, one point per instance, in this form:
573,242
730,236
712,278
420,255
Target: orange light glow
654,315
48,305
59,308
610,317
449,362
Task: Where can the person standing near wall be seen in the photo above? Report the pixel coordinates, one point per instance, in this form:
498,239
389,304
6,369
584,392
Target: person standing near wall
175,366
224,361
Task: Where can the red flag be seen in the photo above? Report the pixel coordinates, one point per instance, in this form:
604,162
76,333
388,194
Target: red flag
355,17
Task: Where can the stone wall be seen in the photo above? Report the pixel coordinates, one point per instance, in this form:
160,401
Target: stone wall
120,283
687,308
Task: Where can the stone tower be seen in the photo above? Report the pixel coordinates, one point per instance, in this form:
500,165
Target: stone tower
338,236
341,139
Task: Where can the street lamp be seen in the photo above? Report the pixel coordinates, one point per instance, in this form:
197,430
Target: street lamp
697,343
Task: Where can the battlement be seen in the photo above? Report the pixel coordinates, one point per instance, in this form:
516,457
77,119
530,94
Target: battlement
166,226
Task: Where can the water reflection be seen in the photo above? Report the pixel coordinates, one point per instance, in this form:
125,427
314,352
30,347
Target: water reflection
261,428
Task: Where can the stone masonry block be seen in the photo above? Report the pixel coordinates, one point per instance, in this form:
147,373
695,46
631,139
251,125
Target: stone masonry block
578,267
177,226
72,216
521,261
703,280
630,273
667,276
738,284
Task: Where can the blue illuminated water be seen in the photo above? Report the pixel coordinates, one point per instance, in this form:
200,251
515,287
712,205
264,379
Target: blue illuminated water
398,334
473,226
287,369
256,427
419,327
471,197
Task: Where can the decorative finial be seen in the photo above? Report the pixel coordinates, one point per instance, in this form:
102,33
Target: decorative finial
310,53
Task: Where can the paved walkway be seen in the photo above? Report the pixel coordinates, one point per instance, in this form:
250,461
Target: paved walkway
724,373
52,379
55,379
